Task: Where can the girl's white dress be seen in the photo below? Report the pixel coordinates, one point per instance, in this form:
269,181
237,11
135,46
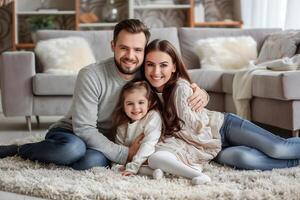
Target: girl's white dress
151,126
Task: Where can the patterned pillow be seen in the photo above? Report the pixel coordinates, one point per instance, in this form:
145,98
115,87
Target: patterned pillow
279,45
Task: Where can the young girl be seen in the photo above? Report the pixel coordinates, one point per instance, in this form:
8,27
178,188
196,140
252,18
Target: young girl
136,113
194,138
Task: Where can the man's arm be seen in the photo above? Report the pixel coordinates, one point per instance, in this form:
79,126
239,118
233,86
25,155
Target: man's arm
85,115
199,99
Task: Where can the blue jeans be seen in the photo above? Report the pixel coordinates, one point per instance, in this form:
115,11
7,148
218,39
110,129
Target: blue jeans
248,146
63,147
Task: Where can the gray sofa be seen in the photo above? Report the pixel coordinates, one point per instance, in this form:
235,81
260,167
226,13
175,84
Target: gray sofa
26,91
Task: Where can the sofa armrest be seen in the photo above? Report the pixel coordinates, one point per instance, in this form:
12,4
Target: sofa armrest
17,70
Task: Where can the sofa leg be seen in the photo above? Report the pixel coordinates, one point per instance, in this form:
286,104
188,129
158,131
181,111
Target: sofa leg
28,122
296,133
37,120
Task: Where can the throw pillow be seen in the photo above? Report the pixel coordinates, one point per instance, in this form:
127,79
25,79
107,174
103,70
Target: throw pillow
279,45
226,52
64,55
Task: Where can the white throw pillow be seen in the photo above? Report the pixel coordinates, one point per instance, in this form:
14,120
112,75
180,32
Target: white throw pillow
64,55
226,52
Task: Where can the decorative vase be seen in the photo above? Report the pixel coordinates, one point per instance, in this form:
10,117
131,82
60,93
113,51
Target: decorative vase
110,12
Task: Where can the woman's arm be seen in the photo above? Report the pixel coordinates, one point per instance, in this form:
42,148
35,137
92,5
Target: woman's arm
192,119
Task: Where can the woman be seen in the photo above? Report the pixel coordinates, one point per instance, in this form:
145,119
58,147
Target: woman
199,137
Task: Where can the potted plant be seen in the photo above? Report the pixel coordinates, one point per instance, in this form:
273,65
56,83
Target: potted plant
40,22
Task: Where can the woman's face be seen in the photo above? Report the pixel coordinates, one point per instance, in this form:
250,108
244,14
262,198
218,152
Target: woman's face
158,69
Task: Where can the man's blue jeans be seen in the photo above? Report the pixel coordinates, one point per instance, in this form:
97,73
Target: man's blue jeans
248,146
63,147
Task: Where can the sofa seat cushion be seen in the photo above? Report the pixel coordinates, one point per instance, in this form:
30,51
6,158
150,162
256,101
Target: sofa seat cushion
269,84
282,114
53,84
227,81
207,79
277,85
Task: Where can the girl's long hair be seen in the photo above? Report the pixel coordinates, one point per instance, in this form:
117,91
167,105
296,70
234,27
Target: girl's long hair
119,116
169,113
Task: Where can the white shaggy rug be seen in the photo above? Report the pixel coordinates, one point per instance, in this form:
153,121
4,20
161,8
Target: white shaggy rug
54,182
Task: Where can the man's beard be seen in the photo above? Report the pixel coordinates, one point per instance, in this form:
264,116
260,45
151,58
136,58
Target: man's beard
126,70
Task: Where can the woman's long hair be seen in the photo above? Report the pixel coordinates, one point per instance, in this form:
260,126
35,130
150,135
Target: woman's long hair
169,113
119,116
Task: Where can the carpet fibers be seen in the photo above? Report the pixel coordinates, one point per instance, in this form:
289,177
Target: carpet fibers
54,182
57,182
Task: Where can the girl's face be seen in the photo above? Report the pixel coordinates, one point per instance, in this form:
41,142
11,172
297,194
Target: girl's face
136,104
158,69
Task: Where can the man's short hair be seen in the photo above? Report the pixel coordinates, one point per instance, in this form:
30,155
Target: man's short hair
131,26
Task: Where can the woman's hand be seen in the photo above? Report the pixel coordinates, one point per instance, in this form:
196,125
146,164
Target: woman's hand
127,173
199,98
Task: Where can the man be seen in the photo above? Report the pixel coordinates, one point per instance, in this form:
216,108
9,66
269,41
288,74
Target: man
81,139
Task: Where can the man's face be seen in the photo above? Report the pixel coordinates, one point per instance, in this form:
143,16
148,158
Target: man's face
129,52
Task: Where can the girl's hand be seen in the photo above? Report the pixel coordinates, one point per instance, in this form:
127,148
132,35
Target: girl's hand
122,168
127,173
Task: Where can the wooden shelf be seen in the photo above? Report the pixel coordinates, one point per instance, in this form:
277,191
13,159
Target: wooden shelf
161,6
104,24
25,46
233,24
66,12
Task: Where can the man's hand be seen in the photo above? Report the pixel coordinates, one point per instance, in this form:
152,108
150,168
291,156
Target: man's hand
199,98
127,173
134,147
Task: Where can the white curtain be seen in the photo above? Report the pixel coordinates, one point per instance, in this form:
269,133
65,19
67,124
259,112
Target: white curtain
283,14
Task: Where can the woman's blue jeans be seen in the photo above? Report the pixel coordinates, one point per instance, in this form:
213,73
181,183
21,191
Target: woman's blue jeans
248,146
63,147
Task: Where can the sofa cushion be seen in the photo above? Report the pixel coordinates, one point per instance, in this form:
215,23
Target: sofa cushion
283,114
227,80
168,33
229,104
64,55
216,101
269,84
279,45
209,80
188,36
226,52
51,105
277,85
53,84
99,41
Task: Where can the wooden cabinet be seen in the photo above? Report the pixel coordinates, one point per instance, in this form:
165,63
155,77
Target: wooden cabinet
66,16
140,8
168,14
233,22
30,15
